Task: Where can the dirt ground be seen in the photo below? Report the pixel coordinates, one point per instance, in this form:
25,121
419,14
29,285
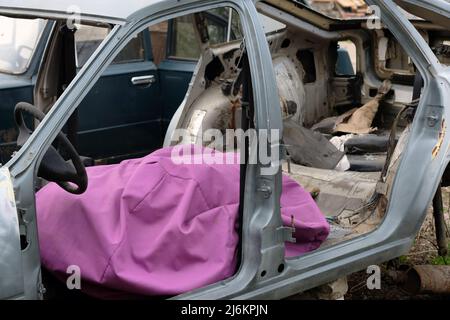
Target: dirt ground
423,252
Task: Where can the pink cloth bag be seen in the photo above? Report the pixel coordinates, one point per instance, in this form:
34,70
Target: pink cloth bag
155,228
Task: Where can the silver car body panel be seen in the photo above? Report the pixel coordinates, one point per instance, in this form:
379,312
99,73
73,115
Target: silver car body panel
263,246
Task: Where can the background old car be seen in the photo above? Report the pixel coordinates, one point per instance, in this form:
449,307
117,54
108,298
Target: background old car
138,94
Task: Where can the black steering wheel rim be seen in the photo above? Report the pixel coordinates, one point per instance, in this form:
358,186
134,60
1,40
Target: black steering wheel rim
72,179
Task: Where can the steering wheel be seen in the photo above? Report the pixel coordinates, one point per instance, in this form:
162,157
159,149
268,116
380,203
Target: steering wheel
71,176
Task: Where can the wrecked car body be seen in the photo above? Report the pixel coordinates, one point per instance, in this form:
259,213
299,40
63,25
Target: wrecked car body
373,186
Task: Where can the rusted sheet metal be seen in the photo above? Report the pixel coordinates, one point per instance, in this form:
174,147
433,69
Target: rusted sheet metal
428,279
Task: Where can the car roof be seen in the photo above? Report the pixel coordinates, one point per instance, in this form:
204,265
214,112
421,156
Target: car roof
108,9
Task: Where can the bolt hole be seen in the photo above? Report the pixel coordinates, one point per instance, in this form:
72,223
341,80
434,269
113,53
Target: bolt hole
263,274
281,268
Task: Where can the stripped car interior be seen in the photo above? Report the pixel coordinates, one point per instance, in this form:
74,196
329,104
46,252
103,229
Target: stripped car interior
344,129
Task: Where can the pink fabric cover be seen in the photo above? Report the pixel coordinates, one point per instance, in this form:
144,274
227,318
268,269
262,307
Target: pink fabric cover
150,227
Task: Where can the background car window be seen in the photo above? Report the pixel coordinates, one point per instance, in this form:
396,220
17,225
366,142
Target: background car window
158,34
133,52
88,38
185,42
18,40
223,26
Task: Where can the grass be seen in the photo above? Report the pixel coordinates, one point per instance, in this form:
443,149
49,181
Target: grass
403,260
442,261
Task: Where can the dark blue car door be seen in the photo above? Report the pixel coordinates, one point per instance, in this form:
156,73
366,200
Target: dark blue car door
121,115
